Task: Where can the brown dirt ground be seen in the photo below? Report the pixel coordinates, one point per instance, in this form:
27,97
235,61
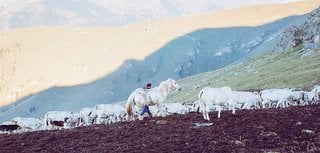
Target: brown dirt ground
295,129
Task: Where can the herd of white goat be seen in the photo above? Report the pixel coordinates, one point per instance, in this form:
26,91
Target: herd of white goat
224,98
210,99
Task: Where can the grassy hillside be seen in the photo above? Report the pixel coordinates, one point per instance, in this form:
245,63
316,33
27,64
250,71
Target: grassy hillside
297,68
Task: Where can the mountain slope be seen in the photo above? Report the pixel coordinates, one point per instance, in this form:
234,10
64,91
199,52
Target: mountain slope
92,13
297,68
294,63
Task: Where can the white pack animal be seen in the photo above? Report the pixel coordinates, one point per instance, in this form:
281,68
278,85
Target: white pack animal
194,106
308,98
282,97
176,108
109,113
61,119
316,91
297,98
87,116
32,124
217,97
247,100
168,109
155,111
148,97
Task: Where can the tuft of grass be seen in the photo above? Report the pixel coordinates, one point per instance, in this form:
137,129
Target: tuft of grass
297,68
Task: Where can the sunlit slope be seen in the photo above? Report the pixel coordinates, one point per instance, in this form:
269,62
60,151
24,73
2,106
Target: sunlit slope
35,59
292,69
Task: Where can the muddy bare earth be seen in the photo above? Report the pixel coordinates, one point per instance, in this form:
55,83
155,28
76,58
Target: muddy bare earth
294,129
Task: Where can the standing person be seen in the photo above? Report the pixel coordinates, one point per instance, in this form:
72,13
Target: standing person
148,86
146,107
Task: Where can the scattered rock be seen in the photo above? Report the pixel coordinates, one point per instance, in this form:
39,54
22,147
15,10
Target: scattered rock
239,143
161,122
306,35
268,134
202,124
259,127
307,131
270,151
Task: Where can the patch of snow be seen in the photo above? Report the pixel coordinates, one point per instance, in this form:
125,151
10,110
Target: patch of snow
65,13
252,43
272,37
222,51
154,69
191,53
178,69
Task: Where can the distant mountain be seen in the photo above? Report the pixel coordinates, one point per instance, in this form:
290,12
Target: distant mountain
92,13
297,68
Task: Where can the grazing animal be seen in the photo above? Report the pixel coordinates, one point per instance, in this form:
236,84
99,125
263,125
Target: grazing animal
154,111
297,97
28,123
316,92
59,124
61,119
308,97
109,113
176,108
87,116
215,97
140,97
9,128
282,97
194,106
247,100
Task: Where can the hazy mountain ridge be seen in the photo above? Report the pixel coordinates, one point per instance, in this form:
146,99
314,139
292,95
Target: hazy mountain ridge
92,13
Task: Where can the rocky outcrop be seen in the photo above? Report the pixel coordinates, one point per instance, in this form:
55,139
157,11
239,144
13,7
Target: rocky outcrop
306,35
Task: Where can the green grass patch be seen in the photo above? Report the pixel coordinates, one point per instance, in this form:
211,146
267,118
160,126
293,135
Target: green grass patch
297,68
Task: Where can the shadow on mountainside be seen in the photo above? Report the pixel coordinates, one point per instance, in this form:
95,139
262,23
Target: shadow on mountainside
193,53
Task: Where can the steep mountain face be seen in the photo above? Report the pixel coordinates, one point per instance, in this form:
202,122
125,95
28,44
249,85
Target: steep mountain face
89,13
307,35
